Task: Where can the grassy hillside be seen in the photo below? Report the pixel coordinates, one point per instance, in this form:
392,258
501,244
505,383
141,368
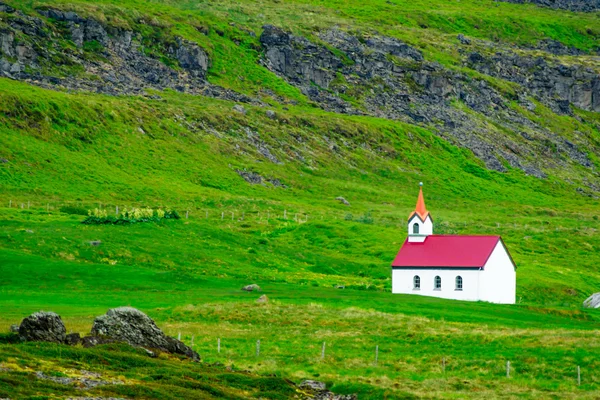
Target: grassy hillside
63,153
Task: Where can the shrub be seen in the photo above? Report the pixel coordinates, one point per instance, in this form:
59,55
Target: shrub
129,216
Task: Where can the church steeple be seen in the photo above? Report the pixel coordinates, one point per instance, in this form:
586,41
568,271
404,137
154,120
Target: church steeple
420,223
420,209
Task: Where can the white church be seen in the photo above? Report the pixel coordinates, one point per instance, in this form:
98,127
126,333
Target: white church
452,266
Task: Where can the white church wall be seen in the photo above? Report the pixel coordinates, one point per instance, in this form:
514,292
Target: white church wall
499,278
402,282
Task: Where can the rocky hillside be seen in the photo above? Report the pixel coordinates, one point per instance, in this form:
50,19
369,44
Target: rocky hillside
572,5
507,103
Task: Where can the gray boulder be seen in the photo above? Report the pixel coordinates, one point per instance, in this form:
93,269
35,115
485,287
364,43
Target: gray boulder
251,288
343,200
43,326
593,301
262,299
320,392
14,328
132,326
312,385
240,108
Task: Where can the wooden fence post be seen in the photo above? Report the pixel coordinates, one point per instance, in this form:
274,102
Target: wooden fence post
207,214
284,214
187,214
376,354
323,352
222,215
578,376
218,345
257,347
508,369
117,211
192,345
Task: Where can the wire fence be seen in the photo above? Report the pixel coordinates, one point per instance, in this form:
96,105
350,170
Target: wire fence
257,351
264,215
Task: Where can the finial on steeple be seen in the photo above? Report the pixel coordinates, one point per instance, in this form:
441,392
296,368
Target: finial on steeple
420,183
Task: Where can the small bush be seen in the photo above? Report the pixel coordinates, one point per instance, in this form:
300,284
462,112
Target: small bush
132,216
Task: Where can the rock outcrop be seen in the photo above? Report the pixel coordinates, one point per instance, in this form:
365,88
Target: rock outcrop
593,301
572,5
251,288
318,391
43,326
557,85
392,80
106,59
132,326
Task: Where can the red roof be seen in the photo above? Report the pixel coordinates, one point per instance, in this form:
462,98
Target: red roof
447,251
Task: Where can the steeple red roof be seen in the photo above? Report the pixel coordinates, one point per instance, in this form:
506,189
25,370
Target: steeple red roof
420,209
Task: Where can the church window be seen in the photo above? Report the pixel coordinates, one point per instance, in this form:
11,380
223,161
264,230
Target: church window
459,283
416,228
437,283
416,282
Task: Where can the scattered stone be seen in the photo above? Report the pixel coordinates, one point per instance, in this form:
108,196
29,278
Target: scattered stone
87,380
151,354
277,183
43,326
250,177
271,114
95,242
340,287
132,326
313,385
14,328
319,391
262,299
5,8
3,160
463,39
251,288
593,301
240,108
73,339
342,200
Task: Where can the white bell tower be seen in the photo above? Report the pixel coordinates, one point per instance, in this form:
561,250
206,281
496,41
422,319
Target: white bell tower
420,224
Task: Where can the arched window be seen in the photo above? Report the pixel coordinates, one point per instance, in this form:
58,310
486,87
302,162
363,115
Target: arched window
416,228
459,283
416,282
437,283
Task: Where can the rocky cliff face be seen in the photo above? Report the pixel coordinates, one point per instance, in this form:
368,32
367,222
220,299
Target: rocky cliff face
65,50
481,102
572,5
384,77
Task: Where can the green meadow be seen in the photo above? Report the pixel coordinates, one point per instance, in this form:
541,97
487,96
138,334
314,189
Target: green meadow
324,266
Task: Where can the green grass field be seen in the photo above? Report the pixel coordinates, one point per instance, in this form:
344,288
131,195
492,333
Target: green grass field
66,153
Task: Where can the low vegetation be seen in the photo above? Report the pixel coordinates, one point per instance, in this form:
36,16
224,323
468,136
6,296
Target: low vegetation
99,216
324,265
